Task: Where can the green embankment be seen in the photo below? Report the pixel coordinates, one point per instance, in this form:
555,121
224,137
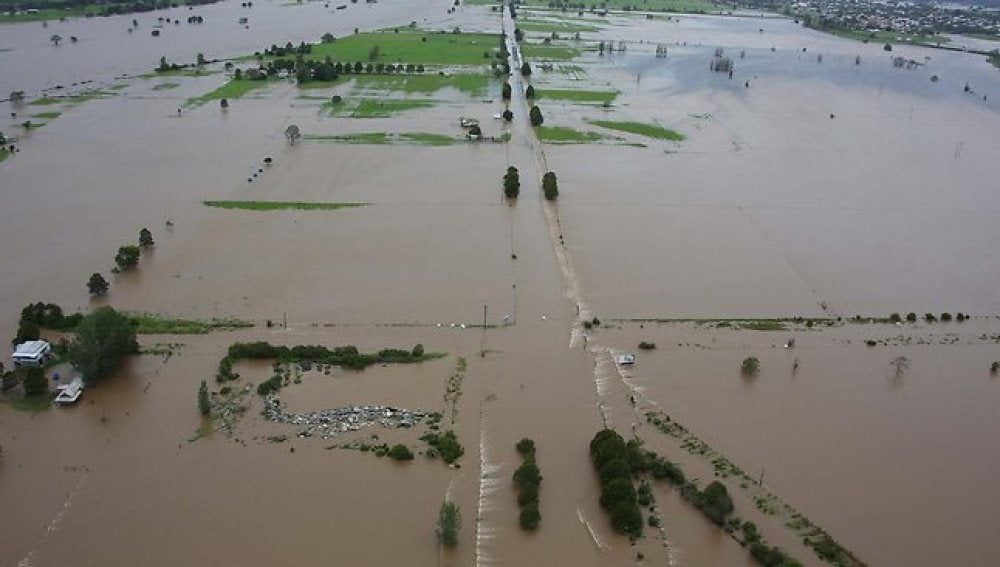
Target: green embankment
280,205
235,88
376,108
600,97
564,135
648,130
153,324
549,52
381,138
47,115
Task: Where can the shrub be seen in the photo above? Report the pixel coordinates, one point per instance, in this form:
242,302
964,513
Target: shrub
505,91
27,331
664,469
418,351
449,521
527,495
97,285
643,345
929,317
617,491
529,92
750,366
715,502
446,444
615,468
911,317
653,521
508,115
103,339
895,318
146,237
400,452
270,386
511,183
946,317
995,367
526,69
127,257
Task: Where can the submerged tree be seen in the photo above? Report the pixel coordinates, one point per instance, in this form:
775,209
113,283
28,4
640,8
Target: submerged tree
511,183
145,238
750,366
449,521
204,402
103,339
535,116
97,285
127,257
550,186
293,134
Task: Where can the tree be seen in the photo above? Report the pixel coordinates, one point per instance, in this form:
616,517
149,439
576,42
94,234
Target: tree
146,237
899,365
34,382
238,74
550,187
204,402
418,351
200,60
887,47
511,183
505,91
103,339
224,103
508,115
97,285
750,366
535,116
127,257
328,38
449,521
292,133
374,52
55,39
529,92
526,69
530,517
400,452
27,331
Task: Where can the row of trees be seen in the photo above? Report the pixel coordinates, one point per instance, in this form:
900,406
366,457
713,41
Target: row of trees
327,70
609,454
126,259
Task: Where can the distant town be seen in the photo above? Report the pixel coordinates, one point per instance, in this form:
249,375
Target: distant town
913,19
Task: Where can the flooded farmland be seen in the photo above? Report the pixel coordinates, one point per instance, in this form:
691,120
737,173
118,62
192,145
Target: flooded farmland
817,191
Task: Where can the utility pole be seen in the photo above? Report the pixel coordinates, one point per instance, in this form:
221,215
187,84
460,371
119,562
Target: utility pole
484,316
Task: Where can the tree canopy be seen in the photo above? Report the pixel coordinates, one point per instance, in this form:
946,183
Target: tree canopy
103,339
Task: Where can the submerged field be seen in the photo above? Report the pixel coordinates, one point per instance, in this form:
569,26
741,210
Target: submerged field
781,215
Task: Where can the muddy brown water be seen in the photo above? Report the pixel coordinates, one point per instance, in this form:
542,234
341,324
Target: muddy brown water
770,208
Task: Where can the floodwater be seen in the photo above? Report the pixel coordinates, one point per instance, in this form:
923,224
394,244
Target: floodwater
770,208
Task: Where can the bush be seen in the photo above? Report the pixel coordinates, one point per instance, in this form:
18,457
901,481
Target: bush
911,317
529,517
529,92
270,386
400,452
527,495
617,491
508,115
664,469
946,317
643,345
895,318
27,331
418,351
750,366
449,521
715,502
615,468
505,91
526,69
97,285
929,317
35,383
146,237
445,444
127,257
511,183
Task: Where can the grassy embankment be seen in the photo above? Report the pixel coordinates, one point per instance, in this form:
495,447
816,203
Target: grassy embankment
890,37
280,205
154,324
382,138
72,99
565,135
52,115
235,88
639,128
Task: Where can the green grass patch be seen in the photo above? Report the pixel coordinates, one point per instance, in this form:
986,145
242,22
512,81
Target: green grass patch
51,115
46,101
280,205
382,138
411,46
549,52
165,86
648,130
600,97
186,72
3,154
555,26
472,84
233,89
564,135
153,324
377,108
35,404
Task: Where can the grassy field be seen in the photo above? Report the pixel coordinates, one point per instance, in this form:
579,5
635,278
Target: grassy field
471,84
233,89
33,403
411,46
3,154
73,99
376,108
564,135
195,72
549,52
51,115
280,205
152,324
165,86
382,138
648,130
599,97
682,6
